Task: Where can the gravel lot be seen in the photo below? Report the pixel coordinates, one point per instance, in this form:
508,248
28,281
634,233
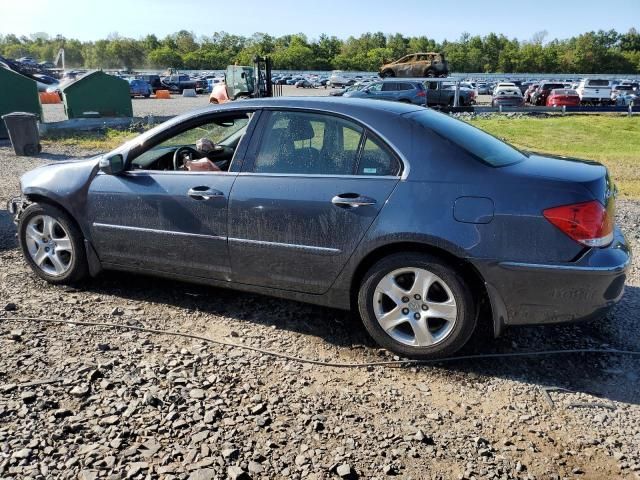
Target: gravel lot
143,107
87,402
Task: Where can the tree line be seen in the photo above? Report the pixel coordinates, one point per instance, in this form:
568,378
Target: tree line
590,52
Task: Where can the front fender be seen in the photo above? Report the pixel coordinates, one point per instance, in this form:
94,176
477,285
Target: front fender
64,183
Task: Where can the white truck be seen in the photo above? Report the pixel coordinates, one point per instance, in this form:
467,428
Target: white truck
594,91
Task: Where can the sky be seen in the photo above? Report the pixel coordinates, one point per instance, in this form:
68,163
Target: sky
96,19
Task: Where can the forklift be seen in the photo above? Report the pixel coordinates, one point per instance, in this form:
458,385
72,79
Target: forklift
242,82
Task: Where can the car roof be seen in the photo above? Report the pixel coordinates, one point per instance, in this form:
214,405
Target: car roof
346,106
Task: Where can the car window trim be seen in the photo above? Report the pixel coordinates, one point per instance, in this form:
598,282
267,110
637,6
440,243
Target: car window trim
193,122
256,141
363,141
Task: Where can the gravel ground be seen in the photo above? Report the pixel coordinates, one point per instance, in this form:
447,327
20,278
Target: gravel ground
143,107
79,402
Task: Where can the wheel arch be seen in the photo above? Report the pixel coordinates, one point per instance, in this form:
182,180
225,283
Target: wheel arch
40,197
466,269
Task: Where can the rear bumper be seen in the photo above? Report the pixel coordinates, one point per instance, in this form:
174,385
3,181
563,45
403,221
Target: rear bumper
526,293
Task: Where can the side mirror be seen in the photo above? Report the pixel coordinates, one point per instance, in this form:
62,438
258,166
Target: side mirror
112,165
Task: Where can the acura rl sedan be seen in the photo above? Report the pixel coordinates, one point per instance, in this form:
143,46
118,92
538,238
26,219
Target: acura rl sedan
407,216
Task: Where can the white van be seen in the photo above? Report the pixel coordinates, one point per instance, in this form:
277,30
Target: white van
594,90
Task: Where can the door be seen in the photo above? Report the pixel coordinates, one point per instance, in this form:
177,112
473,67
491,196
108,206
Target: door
389,91
158,218
309,190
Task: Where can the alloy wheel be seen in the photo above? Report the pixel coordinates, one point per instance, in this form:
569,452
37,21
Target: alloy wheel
49,245
415,307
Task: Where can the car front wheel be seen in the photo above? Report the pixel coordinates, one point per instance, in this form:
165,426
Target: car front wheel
52,244
417,306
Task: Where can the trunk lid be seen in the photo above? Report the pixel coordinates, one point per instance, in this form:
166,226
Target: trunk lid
593,176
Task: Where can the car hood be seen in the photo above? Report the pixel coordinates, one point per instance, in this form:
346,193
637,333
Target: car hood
60,180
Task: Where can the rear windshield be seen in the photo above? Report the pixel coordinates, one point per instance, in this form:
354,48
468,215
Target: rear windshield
564,92
624,87
486,148
597,83
551,86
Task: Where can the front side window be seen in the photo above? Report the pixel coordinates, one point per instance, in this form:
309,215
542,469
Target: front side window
318,144
209,146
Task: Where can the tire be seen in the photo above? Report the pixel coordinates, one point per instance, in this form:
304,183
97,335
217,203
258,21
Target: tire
447,292
388,74
429,73
65,234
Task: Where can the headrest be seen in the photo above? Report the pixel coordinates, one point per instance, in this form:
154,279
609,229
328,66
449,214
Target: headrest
300,129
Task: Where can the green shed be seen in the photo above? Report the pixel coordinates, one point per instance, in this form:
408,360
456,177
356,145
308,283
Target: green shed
17,94
97,95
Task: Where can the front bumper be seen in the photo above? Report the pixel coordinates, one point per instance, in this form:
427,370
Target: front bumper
526,293
15,206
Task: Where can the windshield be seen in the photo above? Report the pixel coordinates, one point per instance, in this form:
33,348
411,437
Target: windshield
479,144
598,83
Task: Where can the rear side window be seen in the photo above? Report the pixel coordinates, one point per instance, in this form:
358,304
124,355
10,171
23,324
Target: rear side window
376,159
319,144
308,143
389,87
479,144
405,86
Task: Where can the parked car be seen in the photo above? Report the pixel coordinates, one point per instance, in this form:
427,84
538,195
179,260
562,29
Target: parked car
621,89
406,91
341,91
628,98
338,79
539,96
153,81
529,92
412,217
139,88
563,97
442,94
484,89
507,97
46,83
503,84
429,64
304,83
202,85
177,82
594,91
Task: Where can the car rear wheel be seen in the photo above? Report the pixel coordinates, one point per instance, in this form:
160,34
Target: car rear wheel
52,244
388,74
417,306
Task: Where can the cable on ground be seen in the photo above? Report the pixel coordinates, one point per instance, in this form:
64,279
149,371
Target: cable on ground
284,356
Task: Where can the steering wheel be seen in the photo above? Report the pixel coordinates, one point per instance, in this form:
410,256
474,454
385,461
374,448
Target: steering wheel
178,160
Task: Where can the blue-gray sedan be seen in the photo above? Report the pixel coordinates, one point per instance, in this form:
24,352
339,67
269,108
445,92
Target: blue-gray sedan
415,220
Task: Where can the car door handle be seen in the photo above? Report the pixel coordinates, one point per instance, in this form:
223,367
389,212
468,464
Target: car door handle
204,193
352,200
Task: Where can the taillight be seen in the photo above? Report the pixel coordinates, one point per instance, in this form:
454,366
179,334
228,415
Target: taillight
588,223
421,93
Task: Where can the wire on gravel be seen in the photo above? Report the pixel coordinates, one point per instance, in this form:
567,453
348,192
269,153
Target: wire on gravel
386,363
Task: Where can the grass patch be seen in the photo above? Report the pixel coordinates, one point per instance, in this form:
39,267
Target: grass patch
611,140
104,140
